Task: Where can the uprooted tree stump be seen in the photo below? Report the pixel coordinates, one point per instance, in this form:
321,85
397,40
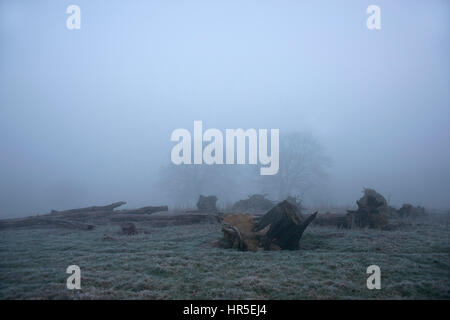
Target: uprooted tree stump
369,213
372,196
280,228
207,204
372,199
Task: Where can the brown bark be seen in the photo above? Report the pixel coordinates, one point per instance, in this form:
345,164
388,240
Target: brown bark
280,228
286,226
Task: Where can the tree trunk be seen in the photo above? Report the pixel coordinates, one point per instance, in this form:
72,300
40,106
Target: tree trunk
43,221
109,207
146,210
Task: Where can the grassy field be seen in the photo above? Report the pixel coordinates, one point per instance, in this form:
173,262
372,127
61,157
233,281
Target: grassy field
179,262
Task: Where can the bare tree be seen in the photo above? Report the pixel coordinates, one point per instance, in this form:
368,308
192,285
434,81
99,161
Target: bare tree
182,184
302,166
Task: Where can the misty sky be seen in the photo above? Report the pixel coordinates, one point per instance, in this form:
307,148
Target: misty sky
86,115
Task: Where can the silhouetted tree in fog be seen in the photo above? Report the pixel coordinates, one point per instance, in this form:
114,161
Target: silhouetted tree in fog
182,184
302,166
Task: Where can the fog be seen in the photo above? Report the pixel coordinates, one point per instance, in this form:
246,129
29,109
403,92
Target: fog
86,115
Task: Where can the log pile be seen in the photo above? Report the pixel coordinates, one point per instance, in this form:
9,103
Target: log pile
279,229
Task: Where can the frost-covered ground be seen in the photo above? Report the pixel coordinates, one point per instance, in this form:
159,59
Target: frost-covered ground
179,263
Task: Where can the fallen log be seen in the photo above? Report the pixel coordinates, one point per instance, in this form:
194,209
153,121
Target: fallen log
109,207
43,221
166,220
69,224
82,218
146,210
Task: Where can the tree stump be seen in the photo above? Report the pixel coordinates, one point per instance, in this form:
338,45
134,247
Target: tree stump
369,213
280,228
286,226
207,204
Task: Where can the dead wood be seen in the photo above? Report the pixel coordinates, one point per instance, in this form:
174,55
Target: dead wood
145,210
286,226
43,221
109,207
83,218
280,228
167,220
207,203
